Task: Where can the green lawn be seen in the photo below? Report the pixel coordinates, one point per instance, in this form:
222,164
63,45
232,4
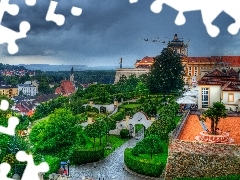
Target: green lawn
131,105
115,142
138,127
156,158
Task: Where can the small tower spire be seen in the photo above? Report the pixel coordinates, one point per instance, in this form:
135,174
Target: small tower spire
120,63
72,75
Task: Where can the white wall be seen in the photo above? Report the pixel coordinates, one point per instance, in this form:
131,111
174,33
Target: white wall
214,94
231,104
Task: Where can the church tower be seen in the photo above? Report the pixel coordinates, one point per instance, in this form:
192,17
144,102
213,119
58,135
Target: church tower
72,76
178,46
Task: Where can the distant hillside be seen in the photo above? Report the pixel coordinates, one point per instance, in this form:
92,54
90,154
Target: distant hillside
48,67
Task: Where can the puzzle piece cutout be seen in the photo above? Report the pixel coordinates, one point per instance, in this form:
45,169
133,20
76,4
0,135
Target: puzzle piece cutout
7,35
209,10
59,19
31,171
30,2
133,1
12,121
4,170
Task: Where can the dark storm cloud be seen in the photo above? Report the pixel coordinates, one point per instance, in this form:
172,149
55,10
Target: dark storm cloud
112,29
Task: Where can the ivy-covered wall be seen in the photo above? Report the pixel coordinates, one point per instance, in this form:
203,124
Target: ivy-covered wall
195,159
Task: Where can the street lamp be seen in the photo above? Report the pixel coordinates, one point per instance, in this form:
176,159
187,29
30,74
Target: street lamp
68,163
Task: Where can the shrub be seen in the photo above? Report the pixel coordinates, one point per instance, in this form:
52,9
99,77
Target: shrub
118,116
142,166
124,133
54,164
149,145
10,159
84,155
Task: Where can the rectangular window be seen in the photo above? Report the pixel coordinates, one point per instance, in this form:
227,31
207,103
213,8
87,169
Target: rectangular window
205,97
195,71
230,97
189,71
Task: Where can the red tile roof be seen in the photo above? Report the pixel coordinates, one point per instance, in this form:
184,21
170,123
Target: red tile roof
216,77
212,59
233,60
66,87
230,86
146,62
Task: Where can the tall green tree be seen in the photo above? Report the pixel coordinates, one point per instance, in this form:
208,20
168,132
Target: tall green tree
166,74
214,113
149,145
57,134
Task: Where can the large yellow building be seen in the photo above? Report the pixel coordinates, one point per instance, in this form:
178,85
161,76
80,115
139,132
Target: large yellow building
194,67
9,91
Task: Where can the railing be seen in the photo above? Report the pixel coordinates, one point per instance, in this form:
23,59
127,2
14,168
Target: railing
175,133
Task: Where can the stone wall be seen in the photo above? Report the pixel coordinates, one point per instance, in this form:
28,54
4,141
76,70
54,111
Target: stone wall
129,71
195,159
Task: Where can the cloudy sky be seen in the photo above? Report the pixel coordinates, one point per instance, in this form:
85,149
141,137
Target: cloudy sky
108,30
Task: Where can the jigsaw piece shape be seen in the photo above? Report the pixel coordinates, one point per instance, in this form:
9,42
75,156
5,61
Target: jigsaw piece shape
31,171
133,1
9,36
12,123
12,9
232,9
4,105
4,170
76,11
59,19
30,2
209,10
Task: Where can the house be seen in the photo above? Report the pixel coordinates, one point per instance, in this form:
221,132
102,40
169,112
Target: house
67,87
9,90
219,86
25,108
27,89
34,83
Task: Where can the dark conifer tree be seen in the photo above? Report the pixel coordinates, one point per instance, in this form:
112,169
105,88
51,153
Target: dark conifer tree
166,74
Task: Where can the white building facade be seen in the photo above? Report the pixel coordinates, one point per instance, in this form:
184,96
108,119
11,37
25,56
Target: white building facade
219,86
27,89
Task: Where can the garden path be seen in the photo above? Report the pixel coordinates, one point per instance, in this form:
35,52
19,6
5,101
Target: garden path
111,168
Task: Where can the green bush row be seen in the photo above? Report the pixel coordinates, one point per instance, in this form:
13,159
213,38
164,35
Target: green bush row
83,155
118,116
142,167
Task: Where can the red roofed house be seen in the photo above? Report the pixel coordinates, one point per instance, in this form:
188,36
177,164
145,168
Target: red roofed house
67,87
219,86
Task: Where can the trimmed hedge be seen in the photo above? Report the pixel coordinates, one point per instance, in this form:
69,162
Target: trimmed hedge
118,116
82,155
142,167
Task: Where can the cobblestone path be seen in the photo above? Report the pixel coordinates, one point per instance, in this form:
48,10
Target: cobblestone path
110,168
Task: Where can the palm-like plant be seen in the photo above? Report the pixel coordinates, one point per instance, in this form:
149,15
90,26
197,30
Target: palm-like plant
214,113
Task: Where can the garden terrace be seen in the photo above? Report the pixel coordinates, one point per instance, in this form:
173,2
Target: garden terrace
192,128
190,158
